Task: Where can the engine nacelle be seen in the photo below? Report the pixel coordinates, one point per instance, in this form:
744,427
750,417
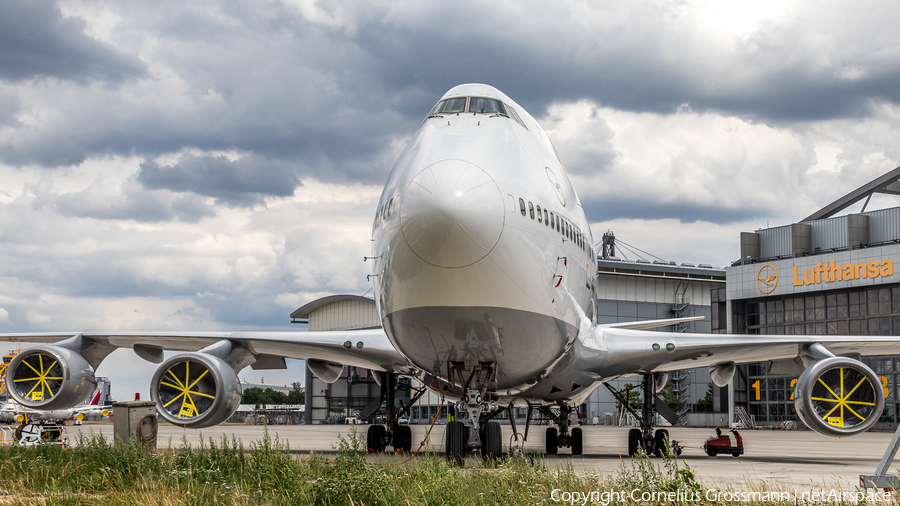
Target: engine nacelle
839,396
195,390
49,377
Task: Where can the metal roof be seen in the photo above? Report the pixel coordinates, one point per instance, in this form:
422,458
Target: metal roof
888,183
304,311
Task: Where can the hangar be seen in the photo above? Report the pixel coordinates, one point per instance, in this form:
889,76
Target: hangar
826,274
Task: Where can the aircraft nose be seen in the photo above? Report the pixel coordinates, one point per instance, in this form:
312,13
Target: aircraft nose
452,214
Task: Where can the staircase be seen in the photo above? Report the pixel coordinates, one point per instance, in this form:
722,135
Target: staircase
744,421
681,385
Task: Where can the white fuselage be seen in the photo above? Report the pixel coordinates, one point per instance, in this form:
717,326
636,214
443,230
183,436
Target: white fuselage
461,275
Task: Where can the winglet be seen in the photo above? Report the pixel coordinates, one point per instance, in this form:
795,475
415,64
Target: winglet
649,324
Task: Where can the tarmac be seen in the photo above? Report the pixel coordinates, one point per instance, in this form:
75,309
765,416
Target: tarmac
790,459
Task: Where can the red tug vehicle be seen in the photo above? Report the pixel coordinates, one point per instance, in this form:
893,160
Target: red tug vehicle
722,444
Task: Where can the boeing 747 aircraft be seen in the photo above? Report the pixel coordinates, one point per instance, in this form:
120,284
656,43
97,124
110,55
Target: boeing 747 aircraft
483,271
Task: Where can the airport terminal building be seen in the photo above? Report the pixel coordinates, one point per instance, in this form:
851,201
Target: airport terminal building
826,275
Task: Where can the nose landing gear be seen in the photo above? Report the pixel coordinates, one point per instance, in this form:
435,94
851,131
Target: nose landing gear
479,433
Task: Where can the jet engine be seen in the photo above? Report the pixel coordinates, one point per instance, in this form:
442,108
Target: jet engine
839,396
49,377
195,390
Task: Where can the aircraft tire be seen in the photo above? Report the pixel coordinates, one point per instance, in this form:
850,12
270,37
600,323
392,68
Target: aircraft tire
634,441
491,441
403,438
457,437
577,446
375,438
551,445
662,436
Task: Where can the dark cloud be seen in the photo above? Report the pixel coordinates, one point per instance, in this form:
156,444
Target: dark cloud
598,210
133,204
37,41
244,182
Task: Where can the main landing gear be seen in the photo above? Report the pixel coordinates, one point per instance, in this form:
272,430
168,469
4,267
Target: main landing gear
645,439
562,437
379,437
479,434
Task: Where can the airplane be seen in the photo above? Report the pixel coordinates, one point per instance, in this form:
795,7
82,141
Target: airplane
483,270
17,412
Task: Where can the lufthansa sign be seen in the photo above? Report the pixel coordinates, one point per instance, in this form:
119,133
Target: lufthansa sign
825,272
831,272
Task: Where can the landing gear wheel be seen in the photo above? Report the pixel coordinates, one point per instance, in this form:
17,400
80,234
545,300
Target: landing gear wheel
403,438
375,438
552,443
634,441
457,437
662,443
577,447
712,451
491,441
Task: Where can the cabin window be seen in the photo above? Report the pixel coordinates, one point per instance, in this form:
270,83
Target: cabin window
486,106
558,226
539,214
551,220
522,206
450,106
531,209
390,207
546,220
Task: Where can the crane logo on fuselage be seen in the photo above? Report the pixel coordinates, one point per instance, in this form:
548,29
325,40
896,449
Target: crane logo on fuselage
554,181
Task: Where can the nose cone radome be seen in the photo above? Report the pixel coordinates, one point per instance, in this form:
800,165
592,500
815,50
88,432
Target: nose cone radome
452,214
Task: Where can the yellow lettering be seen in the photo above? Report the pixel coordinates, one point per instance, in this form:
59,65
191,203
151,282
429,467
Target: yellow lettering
835,272
807,276
873,269
861,271
848,272
887,267
797,281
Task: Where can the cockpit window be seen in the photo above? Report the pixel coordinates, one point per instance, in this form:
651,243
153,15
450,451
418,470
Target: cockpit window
512,113
450,106
486,106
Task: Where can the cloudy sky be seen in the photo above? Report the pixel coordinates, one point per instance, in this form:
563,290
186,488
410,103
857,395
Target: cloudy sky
214,165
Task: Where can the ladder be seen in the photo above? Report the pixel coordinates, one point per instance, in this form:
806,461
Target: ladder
744,419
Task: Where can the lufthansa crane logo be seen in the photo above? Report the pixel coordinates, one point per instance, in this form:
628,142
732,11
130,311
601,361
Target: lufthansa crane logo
767,278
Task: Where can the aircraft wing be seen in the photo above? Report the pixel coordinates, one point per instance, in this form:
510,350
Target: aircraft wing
629,350
360,348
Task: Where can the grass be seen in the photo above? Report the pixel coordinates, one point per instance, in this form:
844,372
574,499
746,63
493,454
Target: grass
93,471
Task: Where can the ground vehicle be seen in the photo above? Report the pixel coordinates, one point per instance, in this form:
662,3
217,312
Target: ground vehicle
722,444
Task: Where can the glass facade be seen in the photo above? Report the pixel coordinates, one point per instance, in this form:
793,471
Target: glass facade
860,311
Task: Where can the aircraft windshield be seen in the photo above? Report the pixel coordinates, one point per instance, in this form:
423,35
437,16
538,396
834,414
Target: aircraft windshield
486,106
450,106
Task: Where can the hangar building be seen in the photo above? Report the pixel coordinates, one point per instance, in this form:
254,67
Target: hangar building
825,275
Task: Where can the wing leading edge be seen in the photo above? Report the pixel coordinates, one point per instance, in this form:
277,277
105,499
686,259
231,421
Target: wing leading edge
360,348
631,351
